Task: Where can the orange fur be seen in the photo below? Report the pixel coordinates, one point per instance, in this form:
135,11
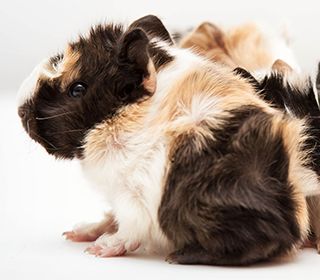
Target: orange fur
244,46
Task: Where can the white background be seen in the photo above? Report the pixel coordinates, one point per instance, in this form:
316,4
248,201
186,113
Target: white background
31,30
41,197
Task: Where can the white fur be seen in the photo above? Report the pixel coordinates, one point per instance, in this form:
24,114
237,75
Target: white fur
183,62
307,175
202,107
131,179
28,87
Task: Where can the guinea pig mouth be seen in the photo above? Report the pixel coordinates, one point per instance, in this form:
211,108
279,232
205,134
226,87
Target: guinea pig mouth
38,129
29,123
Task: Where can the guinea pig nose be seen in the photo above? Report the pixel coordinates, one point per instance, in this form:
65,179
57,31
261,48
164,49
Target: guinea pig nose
22,112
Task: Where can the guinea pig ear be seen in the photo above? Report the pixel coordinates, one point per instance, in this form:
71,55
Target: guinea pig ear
246,75
206,36
282,67
134,52
153,27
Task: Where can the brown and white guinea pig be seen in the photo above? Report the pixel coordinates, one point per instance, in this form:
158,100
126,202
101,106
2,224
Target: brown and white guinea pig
194,163
296,95
251,46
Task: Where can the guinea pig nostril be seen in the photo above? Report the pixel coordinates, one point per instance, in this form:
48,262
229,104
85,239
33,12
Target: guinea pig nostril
22,112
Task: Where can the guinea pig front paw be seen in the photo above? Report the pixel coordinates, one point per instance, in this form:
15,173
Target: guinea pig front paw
79,236
88,232
83,233
112,246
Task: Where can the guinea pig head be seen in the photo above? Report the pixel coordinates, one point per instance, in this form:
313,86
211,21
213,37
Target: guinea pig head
67,95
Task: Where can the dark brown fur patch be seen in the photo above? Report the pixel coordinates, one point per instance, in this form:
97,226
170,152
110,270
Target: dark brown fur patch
230,203
301,103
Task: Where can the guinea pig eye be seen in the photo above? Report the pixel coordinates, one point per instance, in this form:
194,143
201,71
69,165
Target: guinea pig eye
77,90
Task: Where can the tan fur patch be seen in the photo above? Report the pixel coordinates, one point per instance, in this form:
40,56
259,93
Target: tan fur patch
69,70
248,47
107,136
209,40
150,83
220,91
191,105
200,100
244,46
205,37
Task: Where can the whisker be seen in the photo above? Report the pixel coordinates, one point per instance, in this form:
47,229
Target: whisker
54,148
28,126
52,117
64,147
67,131
45,140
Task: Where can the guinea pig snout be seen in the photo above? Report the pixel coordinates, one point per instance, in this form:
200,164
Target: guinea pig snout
21,112
24,112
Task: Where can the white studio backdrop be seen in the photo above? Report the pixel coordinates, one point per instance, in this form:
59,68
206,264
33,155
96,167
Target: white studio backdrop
34,29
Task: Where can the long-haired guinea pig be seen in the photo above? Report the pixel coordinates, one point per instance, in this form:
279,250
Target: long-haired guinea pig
250,46
194,163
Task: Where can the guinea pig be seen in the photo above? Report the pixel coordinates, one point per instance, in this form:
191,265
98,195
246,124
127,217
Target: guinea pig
250,46
194,163
295,95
